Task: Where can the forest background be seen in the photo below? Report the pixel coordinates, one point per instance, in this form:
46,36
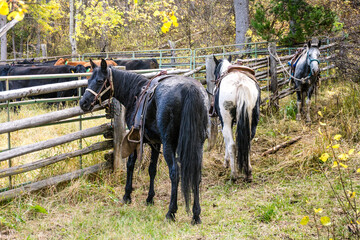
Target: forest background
82,26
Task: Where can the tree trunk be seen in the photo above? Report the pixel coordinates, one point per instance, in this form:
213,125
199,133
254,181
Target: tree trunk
38,43
104,36
21,47
72,30
241,8
14,45
3,39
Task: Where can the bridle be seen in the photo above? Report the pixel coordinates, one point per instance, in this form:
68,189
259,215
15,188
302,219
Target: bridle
311,60
104,89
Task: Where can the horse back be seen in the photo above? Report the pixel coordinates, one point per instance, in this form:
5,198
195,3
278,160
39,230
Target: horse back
167,106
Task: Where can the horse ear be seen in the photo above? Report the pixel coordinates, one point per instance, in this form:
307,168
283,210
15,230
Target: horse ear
309,44
93,65
216,61
103,65
229,59
73,70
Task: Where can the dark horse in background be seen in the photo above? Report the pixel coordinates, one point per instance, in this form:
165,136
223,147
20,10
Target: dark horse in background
237,101
307,72
177,117
136,64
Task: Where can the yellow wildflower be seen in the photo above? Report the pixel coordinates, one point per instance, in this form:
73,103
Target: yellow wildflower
324,157
343,156
335,164
337,137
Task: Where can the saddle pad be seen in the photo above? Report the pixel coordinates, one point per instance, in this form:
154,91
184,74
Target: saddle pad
233,68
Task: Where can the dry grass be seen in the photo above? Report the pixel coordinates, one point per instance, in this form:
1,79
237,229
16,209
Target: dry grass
286,185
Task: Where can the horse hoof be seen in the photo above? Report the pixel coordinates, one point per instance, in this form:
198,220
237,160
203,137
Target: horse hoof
248,179
170,216
149,202
233,178
298,117
126,200
196,220
226,165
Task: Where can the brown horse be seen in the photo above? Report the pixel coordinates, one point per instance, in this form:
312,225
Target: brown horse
62,61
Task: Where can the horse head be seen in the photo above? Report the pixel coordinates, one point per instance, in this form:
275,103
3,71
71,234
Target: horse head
100,86
221,66
313,55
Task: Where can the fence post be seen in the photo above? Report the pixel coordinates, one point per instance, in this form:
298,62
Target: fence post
273,74
118,134
210,85
173,54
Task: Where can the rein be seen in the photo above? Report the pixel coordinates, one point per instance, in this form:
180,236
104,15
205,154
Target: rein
104,89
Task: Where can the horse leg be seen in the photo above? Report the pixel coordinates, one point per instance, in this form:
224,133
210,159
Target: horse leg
299,106
308,104
303,97
169,155
129,175
230,147
155,150
226,159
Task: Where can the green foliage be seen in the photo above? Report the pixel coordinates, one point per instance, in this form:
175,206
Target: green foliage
290,110
291,21
267,213
38,209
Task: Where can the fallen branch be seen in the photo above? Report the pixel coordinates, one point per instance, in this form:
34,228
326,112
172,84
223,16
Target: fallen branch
282,145
198,69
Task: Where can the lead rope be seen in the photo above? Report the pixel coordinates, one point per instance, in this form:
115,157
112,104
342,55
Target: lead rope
302,80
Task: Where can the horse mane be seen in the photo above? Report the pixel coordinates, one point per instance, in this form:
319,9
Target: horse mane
131,83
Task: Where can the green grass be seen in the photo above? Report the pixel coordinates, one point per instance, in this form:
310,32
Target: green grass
287,186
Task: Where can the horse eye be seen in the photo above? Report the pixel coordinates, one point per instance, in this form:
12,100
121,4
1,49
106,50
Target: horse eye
100,80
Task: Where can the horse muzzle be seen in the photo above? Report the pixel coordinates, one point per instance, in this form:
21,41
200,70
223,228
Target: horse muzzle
86,105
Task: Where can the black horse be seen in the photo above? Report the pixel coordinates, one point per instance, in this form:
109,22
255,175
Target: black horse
177,117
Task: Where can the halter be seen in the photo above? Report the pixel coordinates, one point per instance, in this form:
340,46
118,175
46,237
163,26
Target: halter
103,90
311,60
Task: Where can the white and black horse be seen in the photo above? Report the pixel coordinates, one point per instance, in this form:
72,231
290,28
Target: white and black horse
237,100
306,75
177,117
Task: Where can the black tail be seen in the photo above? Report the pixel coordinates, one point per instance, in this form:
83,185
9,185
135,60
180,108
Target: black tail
193,127
243,138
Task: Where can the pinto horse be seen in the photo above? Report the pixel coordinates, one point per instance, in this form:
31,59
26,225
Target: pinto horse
306,75
237,100
176,116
